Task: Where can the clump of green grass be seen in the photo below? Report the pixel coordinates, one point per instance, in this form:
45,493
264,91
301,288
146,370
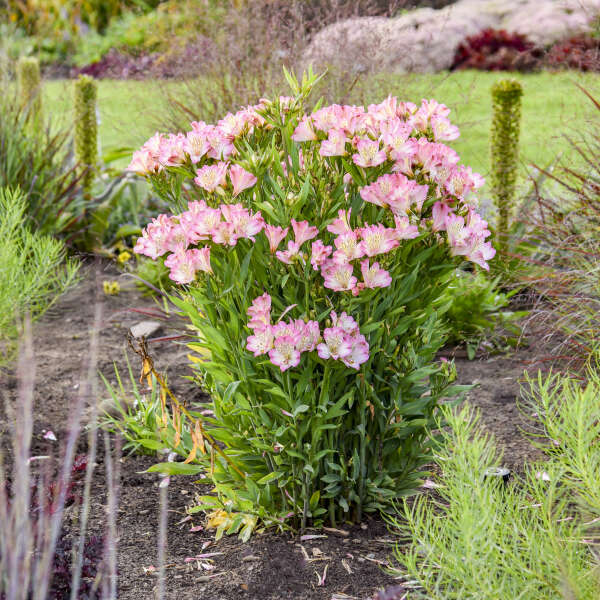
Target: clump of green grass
34,271
533,538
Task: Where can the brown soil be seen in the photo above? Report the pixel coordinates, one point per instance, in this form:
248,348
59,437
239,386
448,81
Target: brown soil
270,566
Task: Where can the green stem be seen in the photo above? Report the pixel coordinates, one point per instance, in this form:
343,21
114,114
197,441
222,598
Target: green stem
331,500
305,506
362,452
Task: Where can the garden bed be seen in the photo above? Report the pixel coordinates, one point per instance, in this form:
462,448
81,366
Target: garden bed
269,566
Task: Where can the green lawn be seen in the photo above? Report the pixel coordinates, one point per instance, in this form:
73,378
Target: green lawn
130,111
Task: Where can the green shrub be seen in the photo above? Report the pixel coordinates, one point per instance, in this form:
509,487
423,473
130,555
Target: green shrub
34,269
311,435
479,313
506,123
532,538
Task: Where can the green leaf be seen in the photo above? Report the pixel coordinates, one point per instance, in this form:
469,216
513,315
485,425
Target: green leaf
175,468
300,409
269,477
127,230
314,500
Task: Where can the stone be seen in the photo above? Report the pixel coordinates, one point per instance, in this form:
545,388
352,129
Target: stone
145,328
425,39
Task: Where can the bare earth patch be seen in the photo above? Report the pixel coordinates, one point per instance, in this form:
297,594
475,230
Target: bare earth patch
325,565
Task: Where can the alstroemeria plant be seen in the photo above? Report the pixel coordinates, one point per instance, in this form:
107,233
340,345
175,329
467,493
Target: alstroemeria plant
313,249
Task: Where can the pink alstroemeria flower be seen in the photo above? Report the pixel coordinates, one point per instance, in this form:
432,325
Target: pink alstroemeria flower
304,132
261,341
345,321
196,144
326,118
203,259
153,242
289,255
368,154
377,239
348,247
341,224
303,231
224,234
199,222
335,144
260,312
338,276
319,253
481,253
336,345
284,354
373,276
245,224
275,234
178,239
173,150
394,133
443,130
456,230
143,162
183,265
309,335
221,147
359,353
240,179
404,230
439,212
211,177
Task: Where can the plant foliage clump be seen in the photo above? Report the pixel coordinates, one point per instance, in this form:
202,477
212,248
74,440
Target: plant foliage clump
312,252
580,52
36,160
533,537
34,269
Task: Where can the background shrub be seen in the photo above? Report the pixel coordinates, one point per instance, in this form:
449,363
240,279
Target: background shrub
497,50
580,52
29,86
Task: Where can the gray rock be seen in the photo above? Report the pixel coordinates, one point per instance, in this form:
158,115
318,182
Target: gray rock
145,328
425,40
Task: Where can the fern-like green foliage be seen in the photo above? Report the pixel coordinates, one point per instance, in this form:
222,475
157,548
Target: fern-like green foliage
532,538
506,123
29,84
34,270
86,128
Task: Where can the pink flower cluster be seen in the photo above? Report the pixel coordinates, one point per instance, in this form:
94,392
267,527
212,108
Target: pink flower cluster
380,133
200,223
210,141
285,342
408,138
343,341
336,265
466,237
